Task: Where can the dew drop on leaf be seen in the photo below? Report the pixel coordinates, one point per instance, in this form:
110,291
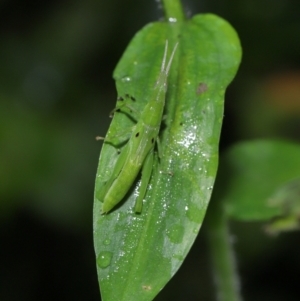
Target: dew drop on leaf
107,242
104,259
126,79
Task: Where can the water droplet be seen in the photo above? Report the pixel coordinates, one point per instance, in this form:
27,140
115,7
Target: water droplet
172,20
104,259
107,242
126,79
147,287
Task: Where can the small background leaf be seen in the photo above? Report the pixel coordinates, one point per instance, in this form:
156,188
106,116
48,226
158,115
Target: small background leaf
138,254
264,179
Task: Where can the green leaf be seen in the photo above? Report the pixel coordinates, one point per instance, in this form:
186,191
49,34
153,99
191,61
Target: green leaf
261,180
287,198
138,254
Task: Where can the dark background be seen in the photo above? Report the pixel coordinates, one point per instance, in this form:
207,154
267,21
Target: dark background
56,91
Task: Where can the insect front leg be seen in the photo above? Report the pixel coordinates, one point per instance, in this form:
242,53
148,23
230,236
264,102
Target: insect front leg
130,108
126,102
116,140
145,179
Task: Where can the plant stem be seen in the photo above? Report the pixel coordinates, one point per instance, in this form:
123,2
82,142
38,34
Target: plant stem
223,261
173,10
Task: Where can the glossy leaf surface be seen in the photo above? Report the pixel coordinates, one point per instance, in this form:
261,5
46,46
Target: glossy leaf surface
138,254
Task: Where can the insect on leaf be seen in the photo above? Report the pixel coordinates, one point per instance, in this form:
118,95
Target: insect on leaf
137,156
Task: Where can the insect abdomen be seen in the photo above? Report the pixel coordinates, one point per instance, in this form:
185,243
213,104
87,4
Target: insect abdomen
119,188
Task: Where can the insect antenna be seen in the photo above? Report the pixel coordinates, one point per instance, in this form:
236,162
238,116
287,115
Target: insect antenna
164,58
171,58
161,82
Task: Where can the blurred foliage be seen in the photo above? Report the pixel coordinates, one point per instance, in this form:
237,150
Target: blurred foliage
56,91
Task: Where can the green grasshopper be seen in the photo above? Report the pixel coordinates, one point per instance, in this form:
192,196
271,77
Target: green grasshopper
138,154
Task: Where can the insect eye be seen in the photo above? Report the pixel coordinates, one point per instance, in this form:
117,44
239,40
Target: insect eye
137,134
152,140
